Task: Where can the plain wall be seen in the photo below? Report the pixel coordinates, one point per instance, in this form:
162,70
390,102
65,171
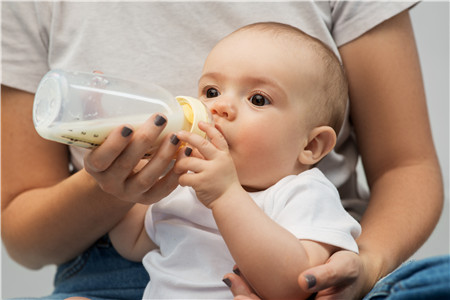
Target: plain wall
431,25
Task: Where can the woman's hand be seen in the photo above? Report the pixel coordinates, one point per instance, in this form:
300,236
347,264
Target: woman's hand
344,276
50,216
239,286
119,169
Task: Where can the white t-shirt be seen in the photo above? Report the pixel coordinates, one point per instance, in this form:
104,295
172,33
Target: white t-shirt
166,43
192,256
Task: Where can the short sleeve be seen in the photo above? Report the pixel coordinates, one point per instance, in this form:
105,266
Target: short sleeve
313,211
25,43
351,19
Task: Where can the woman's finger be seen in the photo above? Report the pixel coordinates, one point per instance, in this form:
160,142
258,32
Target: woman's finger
101,158
160,164
239,287
143,140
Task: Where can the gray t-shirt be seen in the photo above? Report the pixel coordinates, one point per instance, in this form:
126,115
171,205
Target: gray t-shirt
166,43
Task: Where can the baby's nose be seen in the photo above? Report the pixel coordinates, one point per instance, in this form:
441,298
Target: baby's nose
224,108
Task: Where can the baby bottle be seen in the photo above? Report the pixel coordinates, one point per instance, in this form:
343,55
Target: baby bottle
81,109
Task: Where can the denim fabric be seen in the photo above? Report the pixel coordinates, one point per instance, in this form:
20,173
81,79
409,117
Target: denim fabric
427,279
100,273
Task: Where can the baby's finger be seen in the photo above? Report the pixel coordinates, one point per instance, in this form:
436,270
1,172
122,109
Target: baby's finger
193,164
216,137
205,148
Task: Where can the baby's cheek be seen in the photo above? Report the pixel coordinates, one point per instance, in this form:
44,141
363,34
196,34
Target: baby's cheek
252,147
254,160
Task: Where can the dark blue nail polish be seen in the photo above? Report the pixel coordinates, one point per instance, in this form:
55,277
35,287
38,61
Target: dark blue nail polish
126,131
311,280
188,151
160,120
174,139
237,271
227,281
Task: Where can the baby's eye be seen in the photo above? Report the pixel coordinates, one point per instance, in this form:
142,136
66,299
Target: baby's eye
212,93
259,100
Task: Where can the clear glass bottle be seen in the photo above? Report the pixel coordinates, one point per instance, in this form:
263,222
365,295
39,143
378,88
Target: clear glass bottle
81,109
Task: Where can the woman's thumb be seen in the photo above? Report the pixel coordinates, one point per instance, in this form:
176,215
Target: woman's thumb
341,269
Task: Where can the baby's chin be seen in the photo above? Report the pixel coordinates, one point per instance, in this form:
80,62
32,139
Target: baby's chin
251,189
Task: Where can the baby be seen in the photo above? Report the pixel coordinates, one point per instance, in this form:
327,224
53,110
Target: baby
249,194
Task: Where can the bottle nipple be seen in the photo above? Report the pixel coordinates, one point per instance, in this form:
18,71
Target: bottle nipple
194,111
188,113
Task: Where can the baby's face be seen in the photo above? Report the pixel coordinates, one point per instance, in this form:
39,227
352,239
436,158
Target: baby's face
257,89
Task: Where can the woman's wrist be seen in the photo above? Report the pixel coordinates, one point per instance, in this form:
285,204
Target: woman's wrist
92,187
374,268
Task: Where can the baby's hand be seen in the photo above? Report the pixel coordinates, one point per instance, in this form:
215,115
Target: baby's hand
212,171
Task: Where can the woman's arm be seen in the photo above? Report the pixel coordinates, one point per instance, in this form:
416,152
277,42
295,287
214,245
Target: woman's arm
48,216
389,112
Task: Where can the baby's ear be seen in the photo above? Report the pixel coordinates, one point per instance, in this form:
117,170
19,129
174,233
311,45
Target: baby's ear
321,141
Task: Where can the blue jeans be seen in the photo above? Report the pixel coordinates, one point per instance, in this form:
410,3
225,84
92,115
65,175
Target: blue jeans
100,273
427,279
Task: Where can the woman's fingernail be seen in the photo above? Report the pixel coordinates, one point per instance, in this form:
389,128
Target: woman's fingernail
311,280
227,281
160,120
126,131
174,139
188,151
237,271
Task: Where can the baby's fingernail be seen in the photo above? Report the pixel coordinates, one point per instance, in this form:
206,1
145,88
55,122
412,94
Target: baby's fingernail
227,281
311,280
188,151
160,120
126,131
174,139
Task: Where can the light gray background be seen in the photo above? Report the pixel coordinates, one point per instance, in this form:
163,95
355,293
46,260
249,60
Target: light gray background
431,25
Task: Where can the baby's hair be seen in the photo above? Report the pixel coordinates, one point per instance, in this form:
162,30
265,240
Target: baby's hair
333,97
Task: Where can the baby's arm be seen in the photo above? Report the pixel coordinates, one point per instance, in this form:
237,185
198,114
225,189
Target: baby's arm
129,236
269,256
